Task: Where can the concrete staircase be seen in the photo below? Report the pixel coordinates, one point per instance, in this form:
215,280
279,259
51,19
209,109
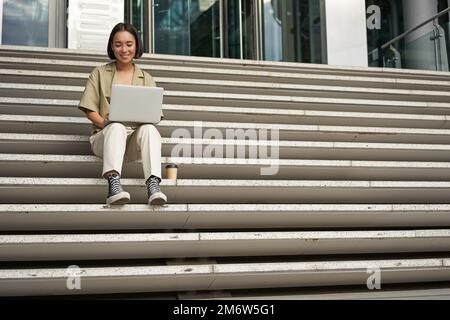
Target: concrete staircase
363,182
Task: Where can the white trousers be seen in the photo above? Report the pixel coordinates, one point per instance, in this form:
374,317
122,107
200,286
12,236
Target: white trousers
117,143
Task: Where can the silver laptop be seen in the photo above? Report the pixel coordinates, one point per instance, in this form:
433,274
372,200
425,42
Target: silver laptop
135,104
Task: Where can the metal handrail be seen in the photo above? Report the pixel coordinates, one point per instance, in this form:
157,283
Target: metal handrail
404,34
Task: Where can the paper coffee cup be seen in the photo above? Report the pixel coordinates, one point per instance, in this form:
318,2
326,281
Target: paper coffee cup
171,171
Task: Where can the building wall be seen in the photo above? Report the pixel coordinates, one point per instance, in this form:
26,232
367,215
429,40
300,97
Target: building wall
90,22
346,35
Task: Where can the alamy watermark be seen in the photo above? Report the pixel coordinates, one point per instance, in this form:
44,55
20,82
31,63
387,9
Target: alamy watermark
262,144
374,280
374,20
73,281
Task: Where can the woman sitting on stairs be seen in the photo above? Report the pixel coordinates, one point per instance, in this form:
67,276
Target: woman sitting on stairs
114,142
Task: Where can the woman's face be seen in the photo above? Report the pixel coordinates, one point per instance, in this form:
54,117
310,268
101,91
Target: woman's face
124,47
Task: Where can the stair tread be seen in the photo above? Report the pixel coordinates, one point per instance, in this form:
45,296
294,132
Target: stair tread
220,208
312,266
237,161
264,67
229,83
60,247
6,240
78,90
291,144
230,125
70,104
230,183
76,217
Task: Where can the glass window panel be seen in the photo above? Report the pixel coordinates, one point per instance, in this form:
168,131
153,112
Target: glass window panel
138,15
391,24
232,37
171,21
248,29
25,22
426,48
292,31
187,27
205,28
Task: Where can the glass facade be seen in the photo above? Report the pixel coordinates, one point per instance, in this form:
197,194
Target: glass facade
425,48
187,27
25,22
289,29
271,30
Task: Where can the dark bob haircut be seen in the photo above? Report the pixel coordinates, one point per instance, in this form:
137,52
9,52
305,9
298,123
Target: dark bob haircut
131,29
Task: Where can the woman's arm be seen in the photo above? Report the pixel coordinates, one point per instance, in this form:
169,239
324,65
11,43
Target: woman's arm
96,118
90,100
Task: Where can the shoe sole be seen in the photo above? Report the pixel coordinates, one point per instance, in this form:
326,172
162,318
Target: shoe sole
158,199
119,199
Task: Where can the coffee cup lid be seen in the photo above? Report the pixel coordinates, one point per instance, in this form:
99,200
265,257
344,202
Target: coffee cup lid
171,165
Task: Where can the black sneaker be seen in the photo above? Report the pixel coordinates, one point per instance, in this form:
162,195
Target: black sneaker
116,195
155,196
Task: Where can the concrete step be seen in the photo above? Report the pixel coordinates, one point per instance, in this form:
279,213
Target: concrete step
325,150
85,190
43,107
230,130
109,246
69,108
62,92
260,70
236,86
233,130
151,278
78,217
78,166
301,90
364,151
52,144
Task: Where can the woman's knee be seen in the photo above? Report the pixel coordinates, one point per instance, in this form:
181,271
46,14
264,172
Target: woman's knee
116,127
149,129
